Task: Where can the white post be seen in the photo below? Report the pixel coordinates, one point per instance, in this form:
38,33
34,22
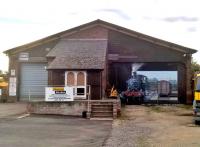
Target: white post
0,95
29,95
88,105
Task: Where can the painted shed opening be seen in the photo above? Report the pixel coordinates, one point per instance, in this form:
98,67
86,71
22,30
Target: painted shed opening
161,80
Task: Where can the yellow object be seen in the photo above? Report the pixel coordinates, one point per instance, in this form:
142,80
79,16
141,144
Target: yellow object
197,96
3,84
113,92
58,88
197,87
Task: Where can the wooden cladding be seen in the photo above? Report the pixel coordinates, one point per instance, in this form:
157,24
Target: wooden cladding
56,77
94,80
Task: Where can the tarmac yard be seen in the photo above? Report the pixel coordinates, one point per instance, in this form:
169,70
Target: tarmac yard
52,131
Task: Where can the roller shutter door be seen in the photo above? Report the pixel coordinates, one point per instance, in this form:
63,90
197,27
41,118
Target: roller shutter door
33,80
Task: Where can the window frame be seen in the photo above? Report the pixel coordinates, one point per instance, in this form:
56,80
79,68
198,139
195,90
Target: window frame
75,86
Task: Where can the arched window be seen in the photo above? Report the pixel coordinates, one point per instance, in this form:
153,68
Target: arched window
70,79
80,79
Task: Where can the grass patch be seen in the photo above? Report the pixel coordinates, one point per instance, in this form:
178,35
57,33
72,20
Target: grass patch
142,142
179,109
187,107
123,114
157,109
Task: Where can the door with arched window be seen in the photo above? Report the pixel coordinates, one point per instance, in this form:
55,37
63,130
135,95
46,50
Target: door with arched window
81,83
77,79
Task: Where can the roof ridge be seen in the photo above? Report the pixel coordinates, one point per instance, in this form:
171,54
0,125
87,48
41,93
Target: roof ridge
109,26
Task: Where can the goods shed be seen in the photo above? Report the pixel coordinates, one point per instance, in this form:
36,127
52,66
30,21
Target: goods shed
99,55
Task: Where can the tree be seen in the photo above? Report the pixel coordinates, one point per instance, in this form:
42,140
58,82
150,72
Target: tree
3,76
195,66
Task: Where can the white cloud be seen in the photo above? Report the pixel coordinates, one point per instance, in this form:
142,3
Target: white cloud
23,21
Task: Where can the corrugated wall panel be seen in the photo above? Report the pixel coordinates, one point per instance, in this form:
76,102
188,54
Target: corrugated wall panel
33,80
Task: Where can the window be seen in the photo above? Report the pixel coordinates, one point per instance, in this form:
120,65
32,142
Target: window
70,79
77,79
23,56
80,79
80,91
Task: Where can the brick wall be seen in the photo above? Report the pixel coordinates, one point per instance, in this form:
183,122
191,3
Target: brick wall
74,108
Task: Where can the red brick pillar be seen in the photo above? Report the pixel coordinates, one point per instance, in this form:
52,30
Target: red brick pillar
188,80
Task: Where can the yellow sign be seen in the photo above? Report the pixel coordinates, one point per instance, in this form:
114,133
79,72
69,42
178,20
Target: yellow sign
58,88
59,94
197,96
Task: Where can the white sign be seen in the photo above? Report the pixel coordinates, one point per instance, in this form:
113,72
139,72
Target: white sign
59,94
12,86
0,92
24,56
12,72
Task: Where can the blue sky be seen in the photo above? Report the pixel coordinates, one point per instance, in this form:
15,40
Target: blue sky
23,21
160,75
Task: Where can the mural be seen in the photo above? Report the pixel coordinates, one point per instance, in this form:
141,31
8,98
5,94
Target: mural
160,85
143,86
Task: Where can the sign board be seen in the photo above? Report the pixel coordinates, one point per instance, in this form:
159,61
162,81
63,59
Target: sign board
12,72
59,94
23,56
12,86
0,92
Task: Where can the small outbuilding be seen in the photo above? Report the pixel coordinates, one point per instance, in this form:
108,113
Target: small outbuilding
97,56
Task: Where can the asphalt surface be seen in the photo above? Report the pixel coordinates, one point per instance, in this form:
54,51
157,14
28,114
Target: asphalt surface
53,131
12,109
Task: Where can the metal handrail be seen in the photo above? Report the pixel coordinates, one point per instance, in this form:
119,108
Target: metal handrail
89,97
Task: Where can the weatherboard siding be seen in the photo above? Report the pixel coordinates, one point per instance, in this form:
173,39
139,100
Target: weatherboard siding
140,50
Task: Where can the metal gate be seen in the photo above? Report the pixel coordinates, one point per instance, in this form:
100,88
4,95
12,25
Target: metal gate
33,80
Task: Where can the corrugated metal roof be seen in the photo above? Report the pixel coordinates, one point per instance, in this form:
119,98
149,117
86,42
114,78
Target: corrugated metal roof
79,54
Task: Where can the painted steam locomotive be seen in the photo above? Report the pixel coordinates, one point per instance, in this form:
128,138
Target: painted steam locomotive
135,92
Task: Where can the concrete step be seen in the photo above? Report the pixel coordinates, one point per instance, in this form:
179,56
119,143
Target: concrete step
101,115
102,105
102,111
103,108
96,118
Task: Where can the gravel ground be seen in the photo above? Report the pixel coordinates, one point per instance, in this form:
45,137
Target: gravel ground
154,126
127,131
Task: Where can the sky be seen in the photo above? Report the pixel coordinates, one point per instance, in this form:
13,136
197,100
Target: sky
160,75
23,21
